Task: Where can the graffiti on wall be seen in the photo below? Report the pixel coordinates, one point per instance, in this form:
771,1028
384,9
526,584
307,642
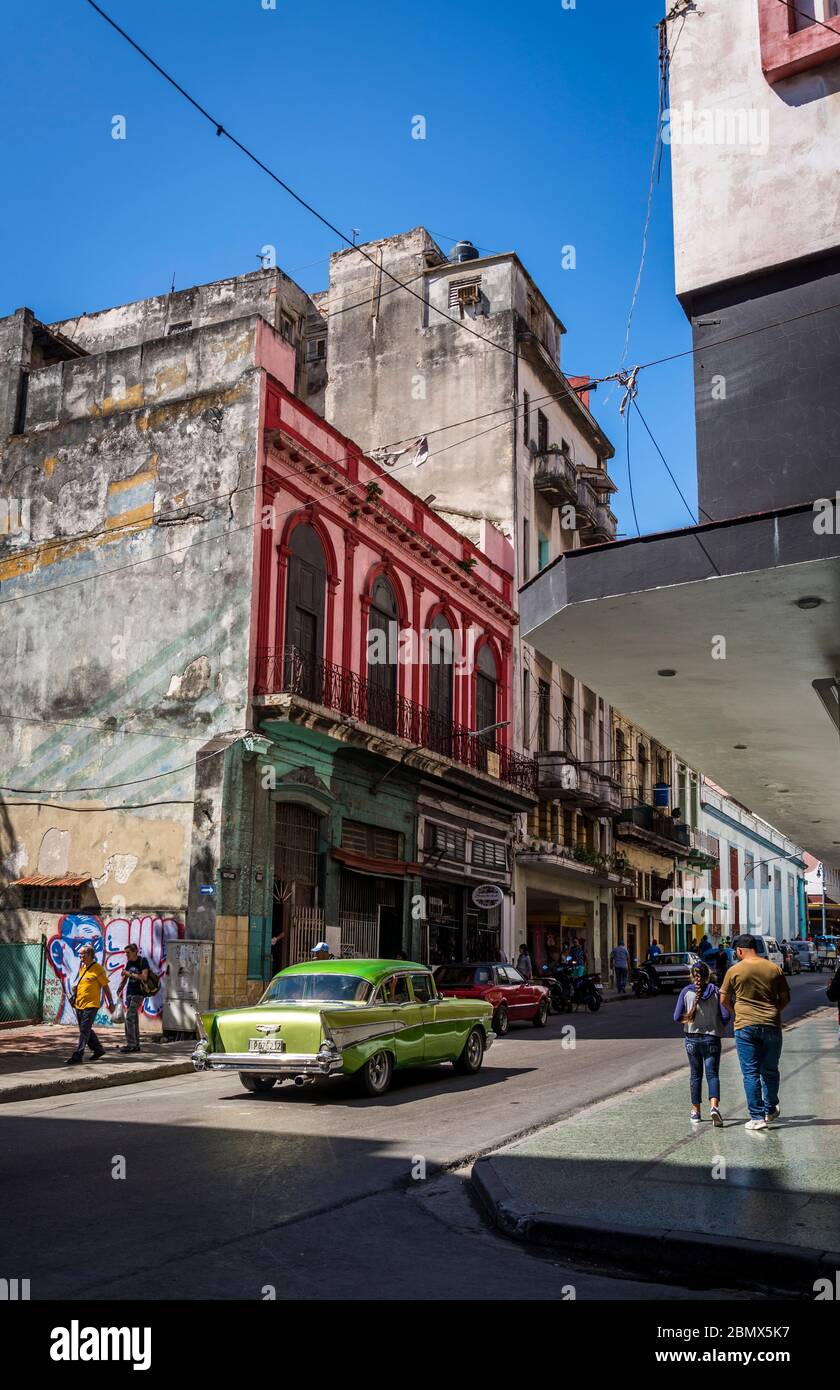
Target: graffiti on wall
109,939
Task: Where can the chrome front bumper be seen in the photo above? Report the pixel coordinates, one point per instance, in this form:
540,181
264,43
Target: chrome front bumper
268,1063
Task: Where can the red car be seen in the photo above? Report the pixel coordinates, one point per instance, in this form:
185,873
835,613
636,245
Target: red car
514,999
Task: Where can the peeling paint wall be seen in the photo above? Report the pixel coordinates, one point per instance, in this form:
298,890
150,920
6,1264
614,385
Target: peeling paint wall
125,617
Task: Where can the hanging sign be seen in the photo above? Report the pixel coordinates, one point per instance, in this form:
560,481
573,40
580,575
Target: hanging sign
487,895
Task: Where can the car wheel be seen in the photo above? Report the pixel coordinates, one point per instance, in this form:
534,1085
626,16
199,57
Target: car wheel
472,1056
256,1083
376,1074
541,1016
501,1022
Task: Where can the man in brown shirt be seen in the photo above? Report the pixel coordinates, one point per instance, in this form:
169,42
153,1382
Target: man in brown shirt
757,991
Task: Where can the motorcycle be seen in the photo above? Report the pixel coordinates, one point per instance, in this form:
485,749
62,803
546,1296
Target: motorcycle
644,981
581,989
559,989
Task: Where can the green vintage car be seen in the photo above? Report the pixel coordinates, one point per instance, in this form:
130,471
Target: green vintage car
359,1018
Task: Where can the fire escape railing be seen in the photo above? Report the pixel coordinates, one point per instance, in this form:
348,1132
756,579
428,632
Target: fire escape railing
288,671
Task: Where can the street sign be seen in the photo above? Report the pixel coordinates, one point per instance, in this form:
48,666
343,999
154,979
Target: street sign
487,895
206,888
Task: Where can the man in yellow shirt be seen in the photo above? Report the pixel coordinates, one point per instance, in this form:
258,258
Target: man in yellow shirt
86,998
757,991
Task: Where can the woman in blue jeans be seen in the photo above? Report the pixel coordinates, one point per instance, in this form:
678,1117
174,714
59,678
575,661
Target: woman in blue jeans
704,1019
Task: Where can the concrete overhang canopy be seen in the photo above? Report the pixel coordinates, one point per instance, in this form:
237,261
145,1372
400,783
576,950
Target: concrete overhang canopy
743,652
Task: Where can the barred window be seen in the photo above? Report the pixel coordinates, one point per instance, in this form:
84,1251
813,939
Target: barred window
40,899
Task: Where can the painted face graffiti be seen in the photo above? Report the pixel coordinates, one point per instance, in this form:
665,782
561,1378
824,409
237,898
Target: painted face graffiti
109,940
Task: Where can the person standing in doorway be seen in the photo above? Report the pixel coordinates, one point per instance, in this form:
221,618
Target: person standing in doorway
620,960
135,975
523,962
704,1021
757,991
86,998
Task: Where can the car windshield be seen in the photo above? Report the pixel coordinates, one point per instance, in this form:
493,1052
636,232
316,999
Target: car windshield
451,976
289,989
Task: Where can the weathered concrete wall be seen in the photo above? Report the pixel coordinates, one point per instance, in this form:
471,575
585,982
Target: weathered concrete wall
126,621
765,189
269,293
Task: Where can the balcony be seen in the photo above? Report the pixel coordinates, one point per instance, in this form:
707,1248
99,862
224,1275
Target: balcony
703,851
602,526
555,478
609,795
287,672
648,824
560,778
586,505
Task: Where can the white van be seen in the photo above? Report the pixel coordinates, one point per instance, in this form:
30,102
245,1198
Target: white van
768,947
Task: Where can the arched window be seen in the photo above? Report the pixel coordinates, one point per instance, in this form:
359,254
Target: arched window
441,705
383,638
486,695
307,583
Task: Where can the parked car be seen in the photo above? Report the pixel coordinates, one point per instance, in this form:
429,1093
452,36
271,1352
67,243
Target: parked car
673,968
359,1018
807,953
791,963
514,999
769,948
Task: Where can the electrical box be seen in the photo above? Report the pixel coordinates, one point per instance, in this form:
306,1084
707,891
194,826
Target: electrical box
188,971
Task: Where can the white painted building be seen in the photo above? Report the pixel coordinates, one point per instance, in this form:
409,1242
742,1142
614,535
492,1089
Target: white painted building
760,878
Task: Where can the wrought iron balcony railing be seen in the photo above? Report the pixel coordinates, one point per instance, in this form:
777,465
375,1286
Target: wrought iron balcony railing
288,671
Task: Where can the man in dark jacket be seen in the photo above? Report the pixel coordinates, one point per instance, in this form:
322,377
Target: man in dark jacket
135,971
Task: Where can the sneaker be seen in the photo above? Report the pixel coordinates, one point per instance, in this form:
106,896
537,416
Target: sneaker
717,1118
696,1119
756,1124
127,1049
73,1061
773,1114
97,1056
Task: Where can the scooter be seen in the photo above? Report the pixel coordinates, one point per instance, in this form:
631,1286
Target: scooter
559,989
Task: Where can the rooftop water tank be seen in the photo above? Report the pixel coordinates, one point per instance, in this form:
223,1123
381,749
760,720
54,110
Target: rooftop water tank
463,251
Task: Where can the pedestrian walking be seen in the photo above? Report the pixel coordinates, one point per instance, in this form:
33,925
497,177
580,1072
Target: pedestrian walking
523,962
86,998
720,962
704,1019
833,992
654,950
757,991
135,974
620,960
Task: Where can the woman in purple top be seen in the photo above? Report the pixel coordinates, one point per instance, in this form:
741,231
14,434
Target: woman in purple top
704,1019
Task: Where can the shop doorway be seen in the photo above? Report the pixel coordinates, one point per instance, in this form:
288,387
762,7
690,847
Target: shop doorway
390,932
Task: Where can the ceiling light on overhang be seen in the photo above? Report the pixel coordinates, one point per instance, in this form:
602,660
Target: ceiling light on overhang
810,602
666,672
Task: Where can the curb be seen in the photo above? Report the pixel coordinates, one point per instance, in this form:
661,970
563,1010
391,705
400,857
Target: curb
100,1081
665,1254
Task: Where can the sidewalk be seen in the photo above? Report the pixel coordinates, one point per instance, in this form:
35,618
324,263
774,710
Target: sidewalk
628,1183
32,1061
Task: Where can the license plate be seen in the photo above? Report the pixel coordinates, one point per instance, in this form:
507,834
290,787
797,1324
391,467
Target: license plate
266,1045
599,987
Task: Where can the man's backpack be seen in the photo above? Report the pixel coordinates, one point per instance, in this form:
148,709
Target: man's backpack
151,985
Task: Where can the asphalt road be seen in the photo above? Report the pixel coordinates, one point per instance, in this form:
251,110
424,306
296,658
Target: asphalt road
312,1192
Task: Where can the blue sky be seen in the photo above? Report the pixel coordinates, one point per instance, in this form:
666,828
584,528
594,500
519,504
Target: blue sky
540,128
